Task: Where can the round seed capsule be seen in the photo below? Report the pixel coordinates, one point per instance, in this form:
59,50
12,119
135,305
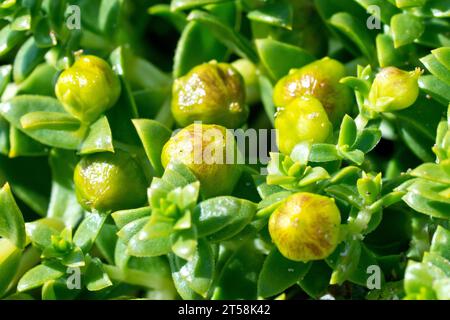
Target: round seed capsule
203,149
109,182
88,88
306,227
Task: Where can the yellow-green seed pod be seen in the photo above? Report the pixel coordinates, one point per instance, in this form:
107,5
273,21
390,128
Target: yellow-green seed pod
88,88
394,89
319,79
306,227
203,149
213,93
303,119
108,182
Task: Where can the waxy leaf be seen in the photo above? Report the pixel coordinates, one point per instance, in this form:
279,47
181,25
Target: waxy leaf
279,273
12,226
270,51
16,108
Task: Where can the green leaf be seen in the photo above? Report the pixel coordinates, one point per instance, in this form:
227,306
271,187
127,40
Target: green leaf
357,33
123,217
39,275
230,38
367,140
9,39
17,107
278,14
442,288
138,72
109,16
189,4
30,180
182,286
58,290
270,50
322,152
266,88
424,197
12,226
436,88
345,193
22,145
39,82
419,279
433,172
348,132
88,230
315,282
441,242
198,272
10,257
130,229
27,58
386,9
149,247
417,126
196,46
153,136
22,21
176,175
279,273
436,68
98,139
409,3
41,231
239,276
106,242
43,35
177,18
406,28
355,156
222,217
442,55
388,54
95,277
184,243
49,120
63,201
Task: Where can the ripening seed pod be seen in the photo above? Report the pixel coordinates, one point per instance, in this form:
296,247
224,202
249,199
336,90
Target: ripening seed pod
213,93
107,182
203,149
306,227
303,119
88,88
394,89
320,80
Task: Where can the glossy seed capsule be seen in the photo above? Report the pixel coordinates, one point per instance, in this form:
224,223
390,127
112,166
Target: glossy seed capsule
88,88
320,80
213,93
306,227
109,182
394,89
303,119
203,149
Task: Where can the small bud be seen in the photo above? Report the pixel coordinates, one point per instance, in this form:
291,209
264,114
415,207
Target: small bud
109,182
306,227
213,93
88,88
302,120
203,149
320,80
394,89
